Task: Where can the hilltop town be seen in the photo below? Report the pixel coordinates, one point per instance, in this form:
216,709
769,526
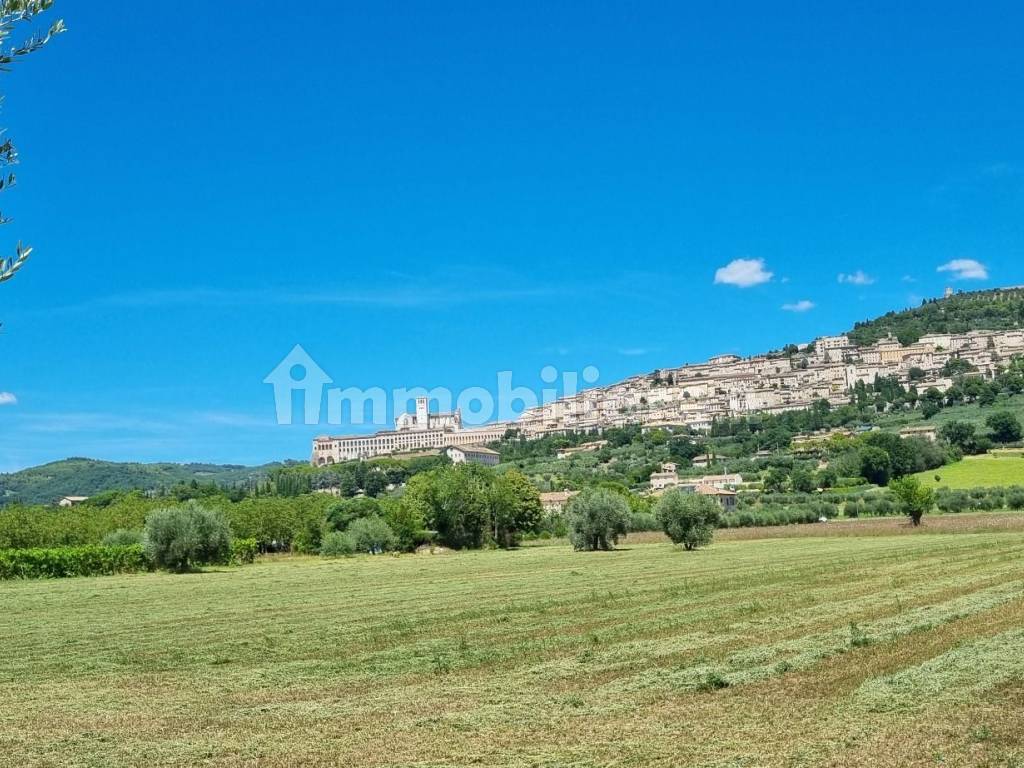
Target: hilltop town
730,386
941,340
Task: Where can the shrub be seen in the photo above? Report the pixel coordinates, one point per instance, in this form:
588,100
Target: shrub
883,507
597,518
554,524
745,520
955,501
643,521
688,518
182,538
243,551
123,537
989,503
60,562
373,535
337,544
823,509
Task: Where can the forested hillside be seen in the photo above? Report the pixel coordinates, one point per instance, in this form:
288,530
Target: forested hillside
996,310
85,477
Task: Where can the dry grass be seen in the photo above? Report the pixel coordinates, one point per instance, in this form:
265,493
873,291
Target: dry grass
844,650
968,522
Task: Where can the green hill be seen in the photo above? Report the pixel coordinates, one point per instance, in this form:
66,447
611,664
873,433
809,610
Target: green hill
995,310
85,477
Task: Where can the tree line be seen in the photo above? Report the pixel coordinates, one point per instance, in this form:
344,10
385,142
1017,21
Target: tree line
457,506
980,310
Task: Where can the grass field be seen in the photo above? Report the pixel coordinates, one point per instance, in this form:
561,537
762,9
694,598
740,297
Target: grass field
986,471
846,650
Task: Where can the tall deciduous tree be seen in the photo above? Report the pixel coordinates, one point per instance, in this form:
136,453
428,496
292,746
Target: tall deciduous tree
515,508
454,503
915,499
959,434
1006,427
13,13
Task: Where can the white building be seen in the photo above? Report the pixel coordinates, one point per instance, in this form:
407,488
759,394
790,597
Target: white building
473,454
420,431
662,480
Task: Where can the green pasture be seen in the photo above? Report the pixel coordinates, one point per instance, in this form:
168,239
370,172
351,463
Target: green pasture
985,471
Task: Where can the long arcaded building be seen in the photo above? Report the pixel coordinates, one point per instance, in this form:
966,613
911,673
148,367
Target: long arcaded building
413,432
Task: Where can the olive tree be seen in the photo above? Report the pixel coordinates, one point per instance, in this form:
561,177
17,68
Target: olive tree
182,538
688,518
12,13
336,544
597,518
371,534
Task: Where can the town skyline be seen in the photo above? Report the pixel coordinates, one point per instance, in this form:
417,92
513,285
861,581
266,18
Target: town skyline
827,369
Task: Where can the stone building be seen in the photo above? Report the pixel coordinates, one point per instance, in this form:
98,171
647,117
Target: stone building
415,432
472,454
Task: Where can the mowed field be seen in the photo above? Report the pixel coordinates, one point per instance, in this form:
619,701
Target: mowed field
871,650
985,471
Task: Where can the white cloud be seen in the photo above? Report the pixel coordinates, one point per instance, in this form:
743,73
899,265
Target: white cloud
400,296
743,273
633,351
800,306
965,269
8,398
856,278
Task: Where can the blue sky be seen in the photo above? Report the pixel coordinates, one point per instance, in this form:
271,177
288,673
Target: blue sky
427,194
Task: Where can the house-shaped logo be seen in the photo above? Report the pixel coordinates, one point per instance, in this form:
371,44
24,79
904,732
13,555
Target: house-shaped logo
298,371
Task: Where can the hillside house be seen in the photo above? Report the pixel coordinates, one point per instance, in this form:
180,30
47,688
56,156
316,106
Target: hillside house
724,497
925,432
473,454
555,501
662,480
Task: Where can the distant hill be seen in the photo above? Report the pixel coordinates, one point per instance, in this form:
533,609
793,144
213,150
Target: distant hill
996,310
86,477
